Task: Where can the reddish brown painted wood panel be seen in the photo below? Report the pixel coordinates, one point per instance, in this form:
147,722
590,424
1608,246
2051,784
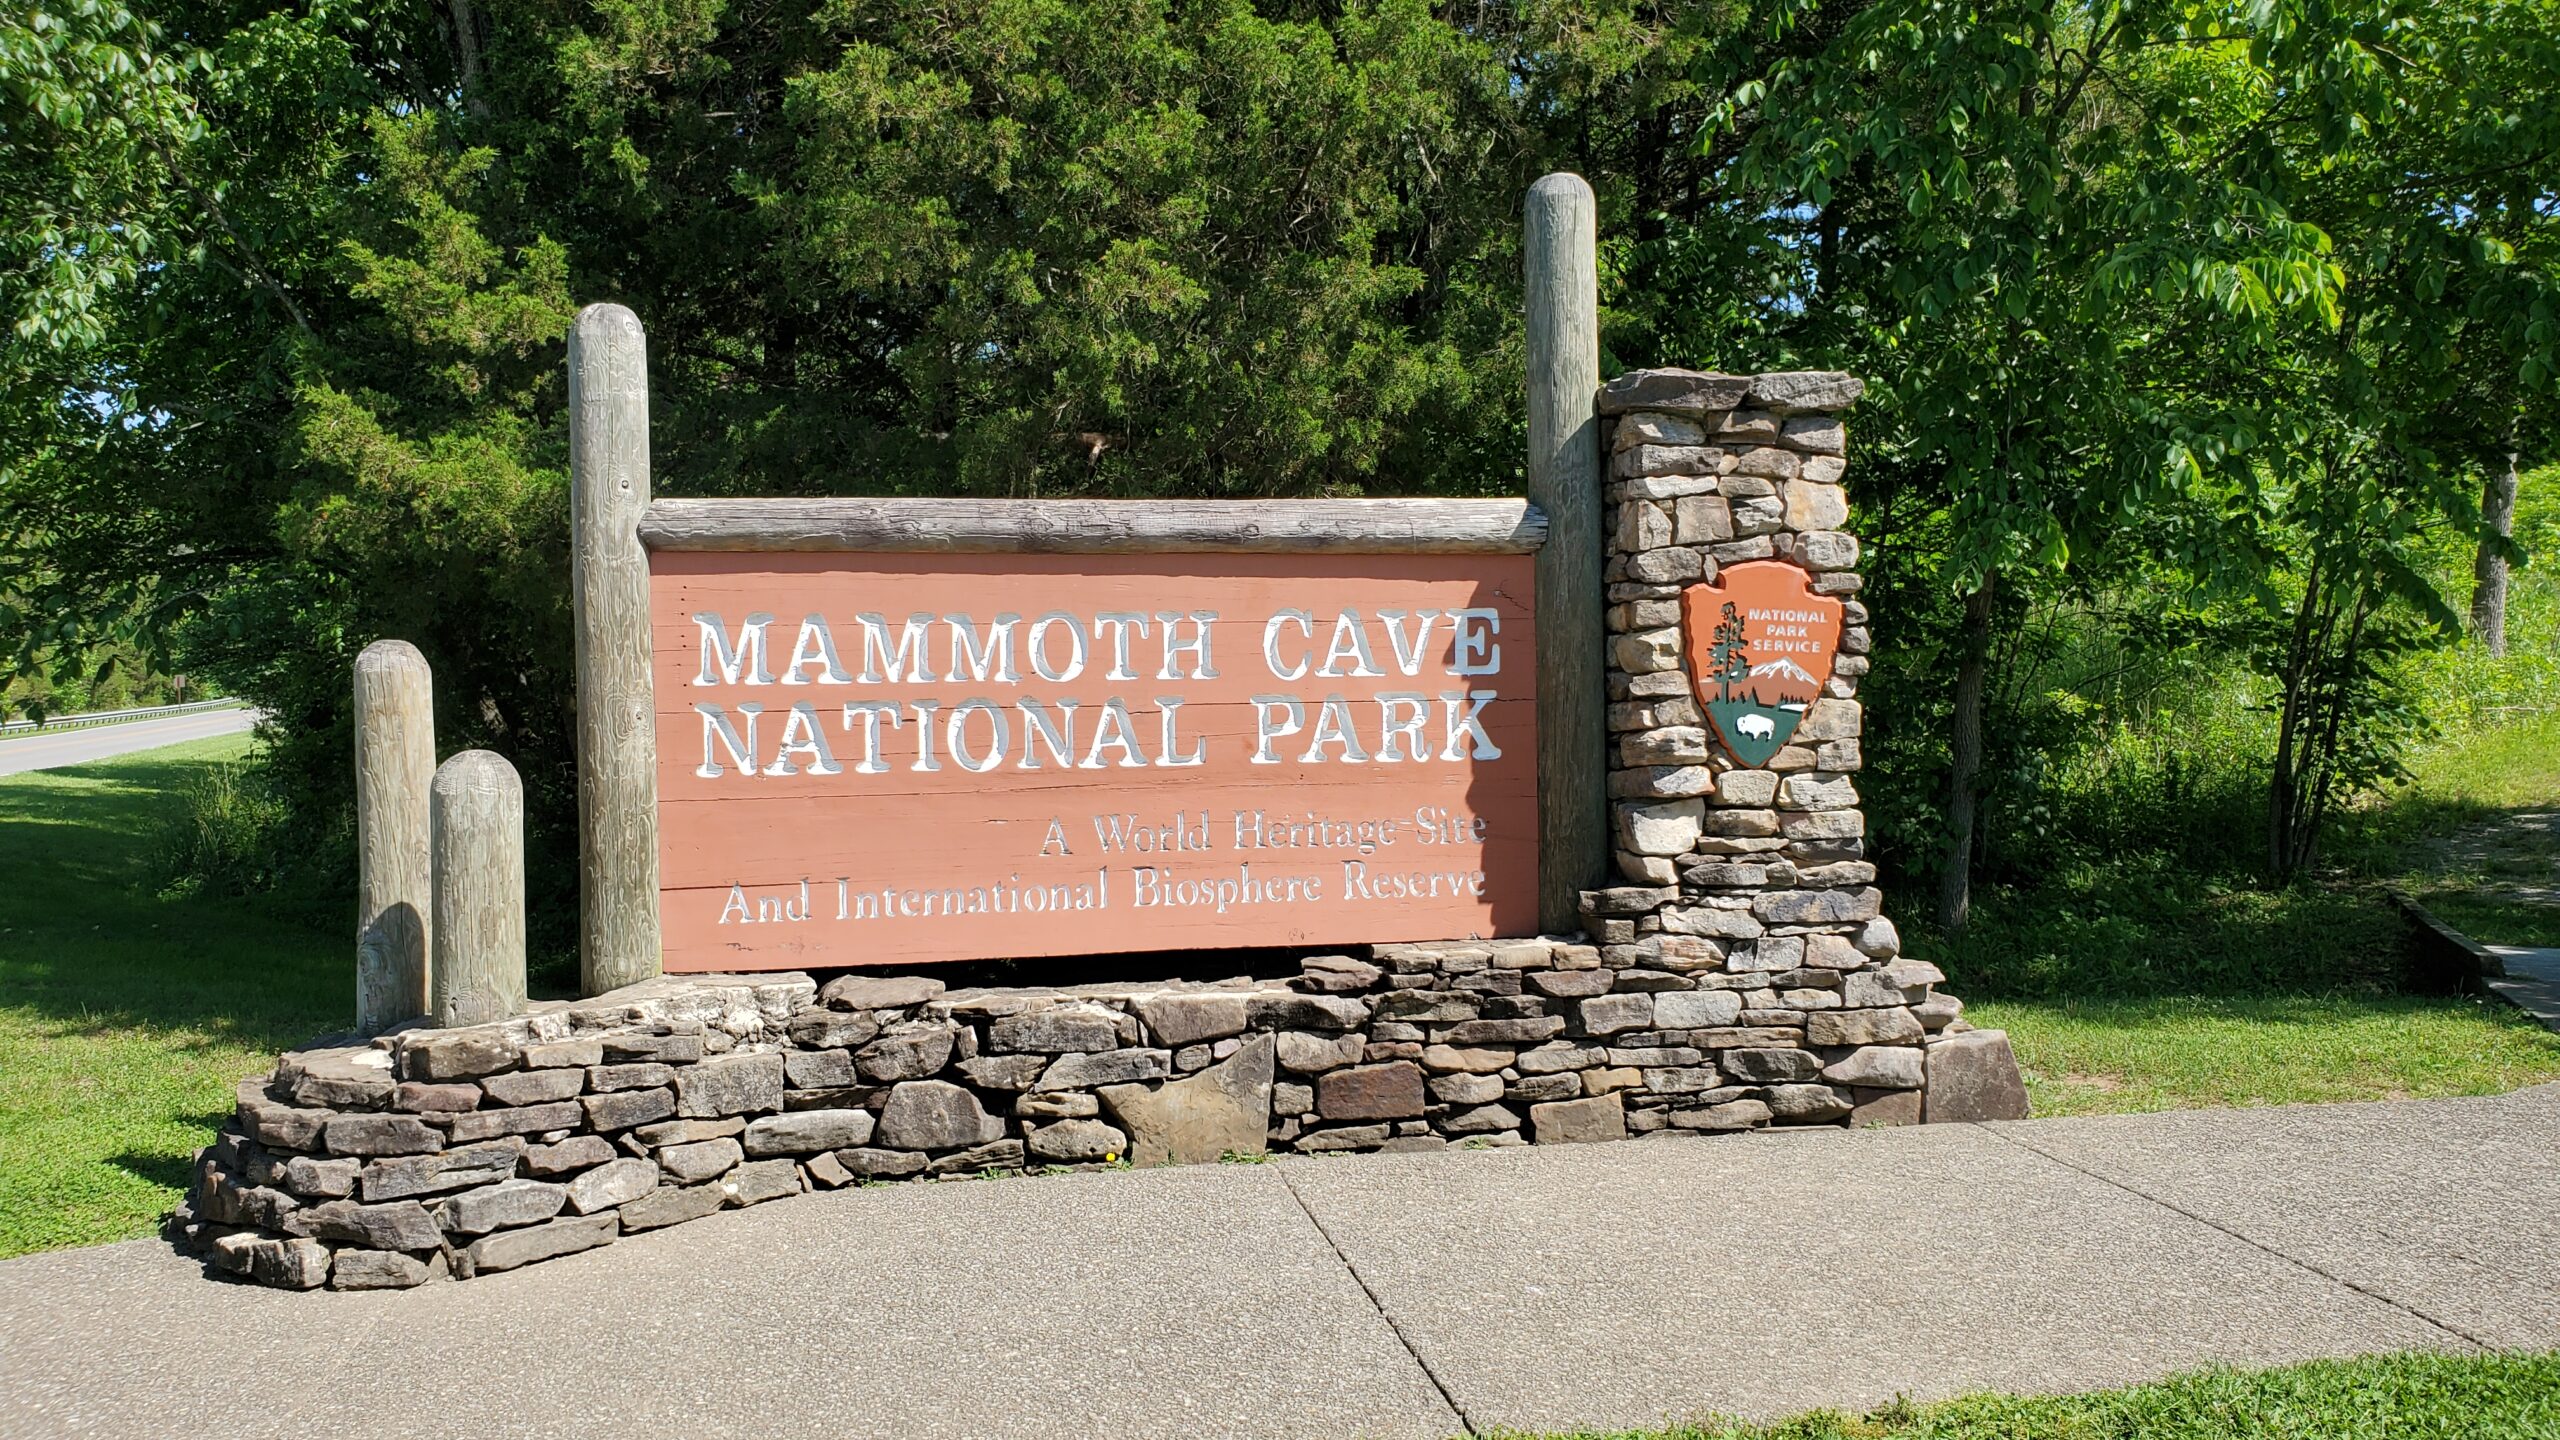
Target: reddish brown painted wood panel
1398,801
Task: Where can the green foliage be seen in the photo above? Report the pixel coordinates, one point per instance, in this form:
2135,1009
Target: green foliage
2125,936
2123,743
2467,687
2143,926
2206,310
110,676
91,105
2125,929
2222,307
1151,249
220,837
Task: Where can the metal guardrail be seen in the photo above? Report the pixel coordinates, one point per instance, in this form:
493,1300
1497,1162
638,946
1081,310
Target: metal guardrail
114,717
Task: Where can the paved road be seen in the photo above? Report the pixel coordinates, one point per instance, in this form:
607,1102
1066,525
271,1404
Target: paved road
105,742
1417,1295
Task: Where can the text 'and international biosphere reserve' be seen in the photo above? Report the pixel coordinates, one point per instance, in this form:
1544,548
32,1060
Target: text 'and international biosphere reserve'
878,759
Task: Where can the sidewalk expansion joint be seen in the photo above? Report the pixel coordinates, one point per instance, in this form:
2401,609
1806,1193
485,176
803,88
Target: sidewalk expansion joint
1447,1397
2262,1247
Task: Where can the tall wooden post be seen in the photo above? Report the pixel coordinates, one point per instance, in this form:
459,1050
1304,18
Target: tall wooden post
395,763
478,823
1563,286
617,723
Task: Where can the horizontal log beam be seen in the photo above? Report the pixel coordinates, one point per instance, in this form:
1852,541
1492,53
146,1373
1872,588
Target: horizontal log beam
1320,527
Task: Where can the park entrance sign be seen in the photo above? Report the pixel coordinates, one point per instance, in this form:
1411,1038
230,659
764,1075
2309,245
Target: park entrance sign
1547,805
874,754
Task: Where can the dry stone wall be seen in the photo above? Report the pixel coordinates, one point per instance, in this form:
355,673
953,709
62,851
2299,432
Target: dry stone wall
1751,885
1743,975
431,1153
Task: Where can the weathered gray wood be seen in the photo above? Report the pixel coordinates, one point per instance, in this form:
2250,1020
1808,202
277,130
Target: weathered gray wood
1337,527
477,819
1560,233
609,578
395,764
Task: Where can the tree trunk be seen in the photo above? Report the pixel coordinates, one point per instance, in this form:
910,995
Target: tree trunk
1955,879
2295,763
466,50
2488,567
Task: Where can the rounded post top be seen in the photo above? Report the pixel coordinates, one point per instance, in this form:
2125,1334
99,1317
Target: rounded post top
608,366
1560,224
481,770
383,655
1561,188
597,321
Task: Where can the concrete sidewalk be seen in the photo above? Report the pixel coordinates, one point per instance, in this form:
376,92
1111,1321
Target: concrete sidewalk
1413,1295
2532,981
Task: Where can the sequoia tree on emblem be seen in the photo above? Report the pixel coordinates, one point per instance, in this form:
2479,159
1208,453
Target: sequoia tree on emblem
1759,644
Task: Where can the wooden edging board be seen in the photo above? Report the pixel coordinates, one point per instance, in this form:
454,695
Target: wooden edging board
2448,949
1098,527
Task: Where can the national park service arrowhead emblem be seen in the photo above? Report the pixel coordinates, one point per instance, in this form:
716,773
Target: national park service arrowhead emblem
1759,644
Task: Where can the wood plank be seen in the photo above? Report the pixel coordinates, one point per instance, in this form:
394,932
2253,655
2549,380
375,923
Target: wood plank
609,580
1562,281
395,889
476,814
908,526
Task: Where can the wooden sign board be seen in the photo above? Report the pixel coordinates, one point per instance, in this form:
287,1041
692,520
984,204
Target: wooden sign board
1760,646
886,759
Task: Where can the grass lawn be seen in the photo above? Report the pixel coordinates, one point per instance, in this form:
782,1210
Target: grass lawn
2476,837
2399,1397
2176,1052
2127,989
2132,983
125,1019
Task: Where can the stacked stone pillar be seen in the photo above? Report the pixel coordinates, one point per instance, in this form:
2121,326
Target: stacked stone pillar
1753,884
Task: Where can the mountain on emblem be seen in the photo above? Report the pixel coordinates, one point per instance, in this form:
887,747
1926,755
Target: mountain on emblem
1760,645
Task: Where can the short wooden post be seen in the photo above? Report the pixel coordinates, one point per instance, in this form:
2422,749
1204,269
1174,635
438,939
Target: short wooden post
395,763
617,721
1560,233
478,822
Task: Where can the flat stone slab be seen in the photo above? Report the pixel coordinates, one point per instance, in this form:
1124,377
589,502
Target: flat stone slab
2532,982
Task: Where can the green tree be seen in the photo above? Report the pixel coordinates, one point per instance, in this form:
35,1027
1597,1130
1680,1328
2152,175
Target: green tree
2068,243
92,106
1022,247
2019,223
2442,205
